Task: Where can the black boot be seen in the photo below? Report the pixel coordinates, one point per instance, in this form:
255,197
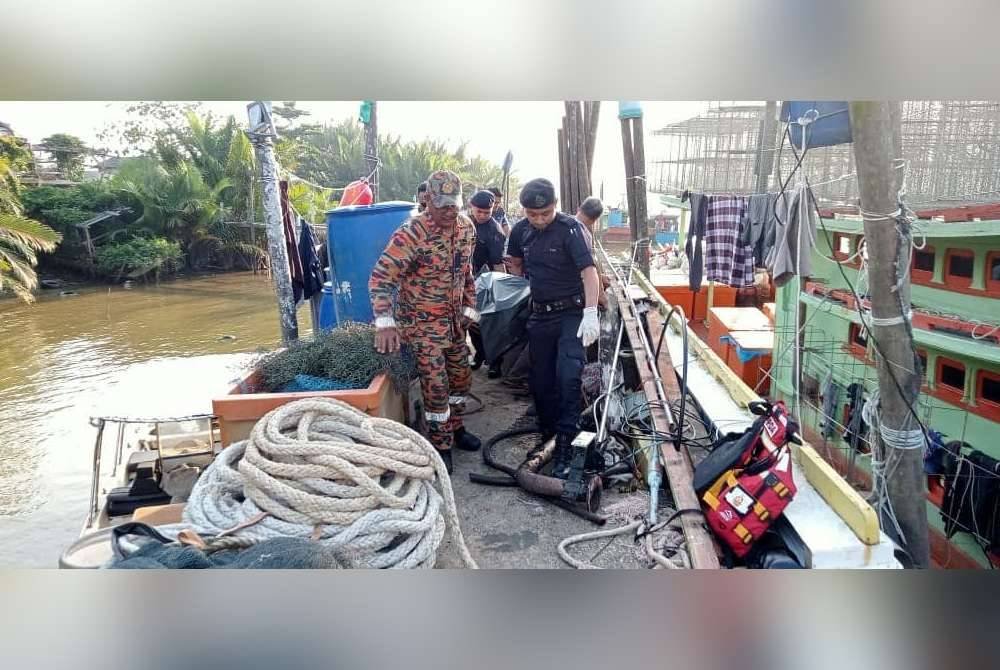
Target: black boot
494,371
562,456
466,441
446,457
477,361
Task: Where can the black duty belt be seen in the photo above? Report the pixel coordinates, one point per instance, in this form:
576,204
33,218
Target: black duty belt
553,306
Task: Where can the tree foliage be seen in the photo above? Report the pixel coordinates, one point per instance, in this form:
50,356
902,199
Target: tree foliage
333,155
69,152
139,257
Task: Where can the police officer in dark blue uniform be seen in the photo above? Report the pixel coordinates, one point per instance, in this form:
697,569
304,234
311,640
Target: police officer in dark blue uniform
490,240
550,248
487,256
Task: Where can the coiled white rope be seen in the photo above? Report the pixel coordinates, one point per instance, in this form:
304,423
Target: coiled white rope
321,469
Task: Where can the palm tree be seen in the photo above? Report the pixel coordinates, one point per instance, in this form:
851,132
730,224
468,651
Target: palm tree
20,241
179,204
20,238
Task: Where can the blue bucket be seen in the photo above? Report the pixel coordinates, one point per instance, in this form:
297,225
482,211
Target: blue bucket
327,308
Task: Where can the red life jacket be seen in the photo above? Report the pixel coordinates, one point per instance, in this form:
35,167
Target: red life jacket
752,493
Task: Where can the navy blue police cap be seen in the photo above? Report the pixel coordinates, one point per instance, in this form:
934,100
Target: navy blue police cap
538,194
482,199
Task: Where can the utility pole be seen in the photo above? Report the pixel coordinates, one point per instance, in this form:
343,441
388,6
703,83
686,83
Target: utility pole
371,147
876,152
261,135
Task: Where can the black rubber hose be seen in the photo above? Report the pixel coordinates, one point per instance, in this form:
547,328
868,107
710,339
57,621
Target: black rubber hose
500,437
490,480
684,366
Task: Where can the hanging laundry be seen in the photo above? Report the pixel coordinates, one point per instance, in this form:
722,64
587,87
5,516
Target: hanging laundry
695,237
972,500
291,244
856,431
727,261
786,259
831,398
312,270
758,226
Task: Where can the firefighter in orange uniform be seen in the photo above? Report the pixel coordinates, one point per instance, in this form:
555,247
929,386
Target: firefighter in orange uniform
427,264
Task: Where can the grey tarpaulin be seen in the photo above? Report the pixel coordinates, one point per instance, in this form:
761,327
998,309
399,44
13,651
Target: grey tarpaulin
502,301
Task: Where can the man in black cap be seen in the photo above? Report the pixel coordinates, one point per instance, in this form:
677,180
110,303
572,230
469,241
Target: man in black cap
488,253
551,249
487,256
499,215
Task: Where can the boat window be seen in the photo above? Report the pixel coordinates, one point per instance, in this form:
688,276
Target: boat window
952,375
859,335
989,387
993,272
842,246
923,260
960,265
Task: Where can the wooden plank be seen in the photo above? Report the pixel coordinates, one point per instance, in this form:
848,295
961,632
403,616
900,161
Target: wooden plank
677,468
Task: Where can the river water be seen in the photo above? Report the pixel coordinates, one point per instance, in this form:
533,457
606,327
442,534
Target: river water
153,350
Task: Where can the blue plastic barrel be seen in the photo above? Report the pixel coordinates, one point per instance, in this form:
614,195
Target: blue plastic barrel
615,218
327,308
666,237
357,237
629,109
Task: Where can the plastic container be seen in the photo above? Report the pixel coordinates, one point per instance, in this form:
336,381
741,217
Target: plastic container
616,218
357,193
357,237
629,110
327,308
830,122
244,405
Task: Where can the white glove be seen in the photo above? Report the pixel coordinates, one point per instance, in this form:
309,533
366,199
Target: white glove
590,327
471,314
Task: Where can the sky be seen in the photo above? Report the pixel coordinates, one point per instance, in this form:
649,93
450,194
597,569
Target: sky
527,129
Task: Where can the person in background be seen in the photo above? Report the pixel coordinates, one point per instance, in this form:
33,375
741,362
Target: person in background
422,197
589,213
427,265
486,257
551,248
488,253
499,215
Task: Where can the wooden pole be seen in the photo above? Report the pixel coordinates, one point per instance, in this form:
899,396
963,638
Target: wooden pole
582,173
629,178
371,150
261,135
639,170
592,118
574,180
563,176
896,358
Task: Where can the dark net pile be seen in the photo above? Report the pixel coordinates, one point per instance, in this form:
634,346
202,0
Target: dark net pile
345,356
